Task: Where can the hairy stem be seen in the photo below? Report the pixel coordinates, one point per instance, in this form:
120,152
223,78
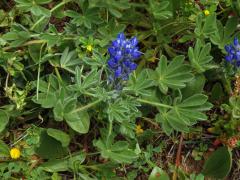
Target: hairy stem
82,108
154,103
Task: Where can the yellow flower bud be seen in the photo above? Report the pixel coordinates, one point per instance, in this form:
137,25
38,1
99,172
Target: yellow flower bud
89,48
15,153
139,129
206,12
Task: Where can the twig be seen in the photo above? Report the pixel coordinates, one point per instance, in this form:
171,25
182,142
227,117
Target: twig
178,157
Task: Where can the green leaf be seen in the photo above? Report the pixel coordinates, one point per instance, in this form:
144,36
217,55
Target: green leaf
234,102
206,26
78,121
4,149
66,164
60,136
34,52
217,92
49,147
123,110
114,7
223,35
49,92
118,152
34,6
139,84
172,75
91,79
109,31
200,57
160,10
4,118
158,174
195,86
69,59
219,164
16,37
184,113
89,17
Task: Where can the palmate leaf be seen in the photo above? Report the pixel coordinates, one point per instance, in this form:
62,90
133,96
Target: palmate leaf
123,110
223,35
17,36
113,6
64,104
172,75
205,26
69,59
160,10
109,31
183,114
118,152
66,110
140,84
89,17
34,6
200,57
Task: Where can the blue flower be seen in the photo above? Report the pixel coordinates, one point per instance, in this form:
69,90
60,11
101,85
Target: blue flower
233,52
123,52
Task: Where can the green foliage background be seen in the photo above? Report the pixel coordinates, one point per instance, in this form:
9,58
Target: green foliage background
58,107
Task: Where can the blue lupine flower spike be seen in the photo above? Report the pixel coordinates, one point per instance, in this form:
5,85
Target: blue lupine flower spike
123,52
233,52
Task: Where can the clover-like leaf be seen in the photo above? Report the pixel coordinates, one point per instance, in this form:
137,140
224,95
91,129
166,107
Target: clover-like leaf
174,74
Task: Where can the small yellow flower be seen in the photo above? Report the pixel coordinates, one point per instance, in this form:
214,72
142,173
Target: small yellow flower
139,129
206,12
15,153
89,48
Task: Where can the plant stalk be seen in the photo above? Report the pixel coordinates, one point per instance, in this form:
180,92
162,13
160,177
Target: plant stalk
82,108
154,103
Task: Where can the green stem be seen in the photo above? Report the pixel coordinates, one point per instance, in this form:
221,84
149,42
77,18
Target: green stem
58,74
39,69
109,130
82,108
154,103
27,43
92,154
52,10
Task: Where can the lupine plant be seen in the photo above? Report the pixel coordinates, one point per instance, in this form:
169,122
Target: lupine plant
119,89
